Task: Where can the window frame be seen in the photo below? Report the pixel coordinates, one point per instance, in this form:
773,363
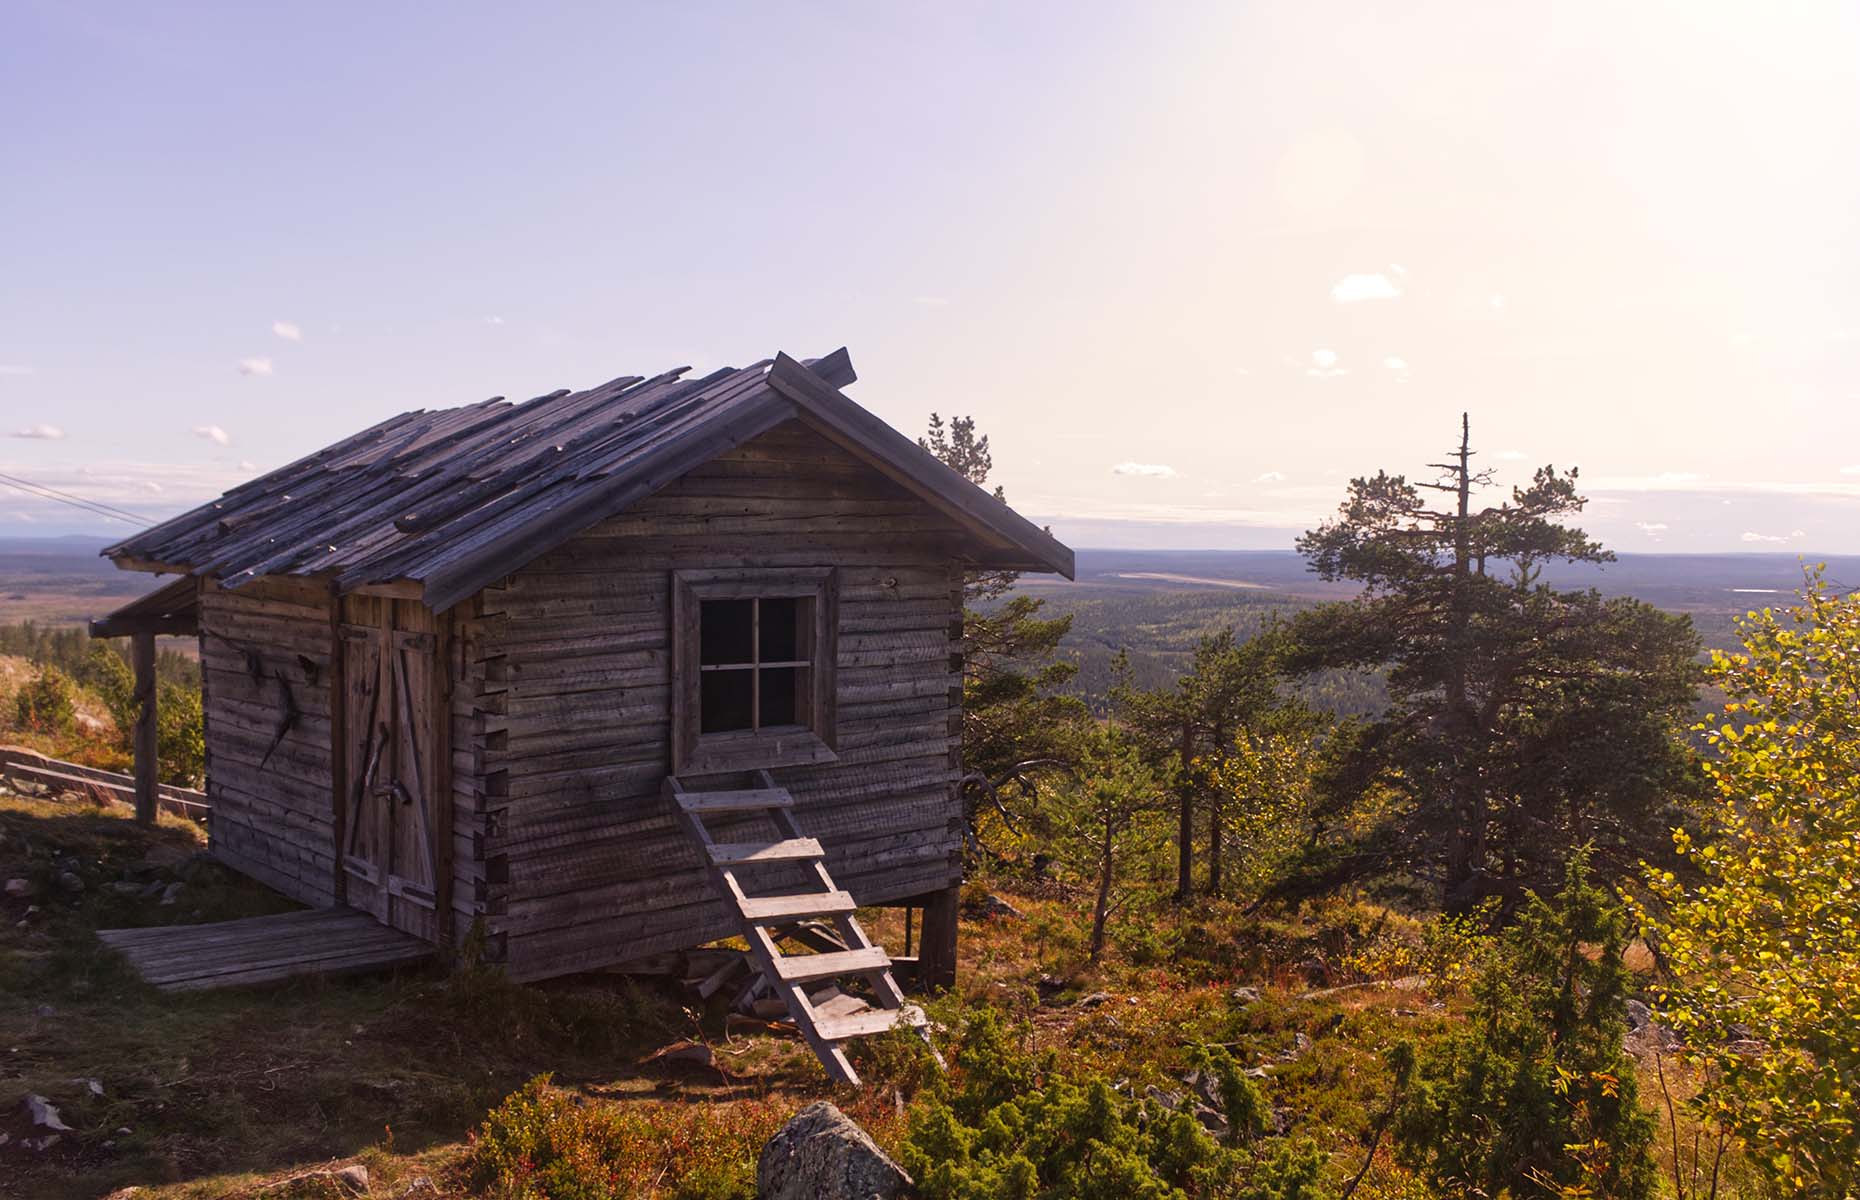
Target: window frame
698,753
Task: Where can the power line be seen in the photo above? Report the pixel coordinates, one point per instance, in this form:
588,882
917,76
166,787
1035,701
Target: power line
94,507
46,491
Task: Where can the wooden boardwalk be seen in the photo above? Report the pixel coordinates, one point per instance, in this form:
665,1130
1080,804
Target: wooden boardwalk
259,950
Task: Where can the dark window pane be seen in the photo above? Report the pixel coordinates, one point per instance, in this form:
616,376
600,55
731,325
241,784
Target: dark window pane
724,631
781,629
780,697
724,700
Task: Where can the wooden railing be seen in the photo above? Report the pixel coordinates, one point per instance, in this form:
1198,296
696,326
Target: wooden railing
33,767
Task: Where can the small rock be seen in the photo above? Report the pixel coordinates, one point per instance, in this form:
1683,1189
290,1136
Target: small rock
1211,1120
41,1144
419,1185
151,890
996,907
353,1177
1316,970
19,889
172,893
93,1086
1244,995
70,882
1746,1047
1254,1072
45,1010
1094,1000
822,1155
1205,1085
1638,1015
126,887
45,1114
124,1131
1169,1100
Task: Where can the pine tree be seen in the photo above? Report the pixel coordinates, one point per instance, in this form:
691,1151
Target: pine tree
1523,720
1016,724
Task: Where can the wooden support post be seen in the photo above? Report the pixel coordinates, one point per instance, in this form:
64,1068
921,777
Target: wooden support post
148,774
936,948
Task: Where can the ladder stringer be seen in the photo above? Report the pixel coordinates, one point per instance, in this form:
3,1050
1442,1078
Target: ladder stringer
789,975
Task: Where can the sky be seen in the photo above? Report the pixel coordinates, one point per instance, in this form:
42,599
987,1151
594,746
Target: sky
1190,266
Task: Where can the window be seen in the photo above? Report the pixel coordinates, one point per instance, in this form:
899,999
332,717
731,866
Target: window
754,652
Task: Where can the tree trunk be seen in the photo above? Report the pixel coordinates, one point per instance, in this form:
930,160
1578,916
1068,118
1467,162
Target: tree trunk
1101,910
1216,816
1465,835
1185,831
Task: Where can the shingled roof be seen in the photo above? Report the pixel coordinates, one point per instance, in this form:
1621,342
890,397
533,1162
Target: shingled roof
457,498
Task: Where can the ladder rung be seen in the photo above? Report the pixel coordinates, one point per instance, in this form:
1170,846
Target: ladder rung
865,1024
782,908
749,800
730,854
805,968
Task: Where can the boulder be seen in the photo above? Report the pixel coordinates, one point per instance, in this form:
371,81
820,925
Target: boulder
19,889
822,1155
1244,995
172,893
353,1178
71,882
1638,1014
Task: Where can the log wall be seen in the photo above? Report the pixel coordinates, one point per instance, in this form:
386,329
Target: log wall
562,706
264,655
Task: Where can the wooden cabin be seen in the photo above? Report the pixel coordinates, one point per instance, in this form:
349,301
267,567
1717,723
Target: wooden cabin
451,661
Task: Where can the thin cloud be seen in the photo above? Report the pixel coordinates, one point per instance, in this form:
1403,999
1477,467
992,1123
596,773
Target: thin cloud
1354,289
1510,455
1853,470
214,434
1497,301
1792,535
287,330
40,433
1270,477
255,366
1325,365
1144,470
494,320
1652,529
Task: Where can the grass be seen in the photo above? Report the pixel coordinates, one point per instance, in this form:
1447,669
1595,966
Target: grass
252,1092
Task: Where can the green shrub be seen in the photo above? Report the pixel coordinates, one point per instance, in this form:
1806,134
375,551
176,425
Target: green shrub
104,672
180,735
1005,1126
545,1144
1534,1095
47,703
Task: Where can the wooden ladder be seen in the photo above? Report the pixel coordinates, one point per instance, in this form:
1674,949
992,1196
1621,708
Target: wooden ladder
788,975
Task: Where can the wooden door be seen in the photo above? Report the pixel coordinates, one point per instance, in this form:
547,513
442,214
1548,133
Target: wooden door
392,852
